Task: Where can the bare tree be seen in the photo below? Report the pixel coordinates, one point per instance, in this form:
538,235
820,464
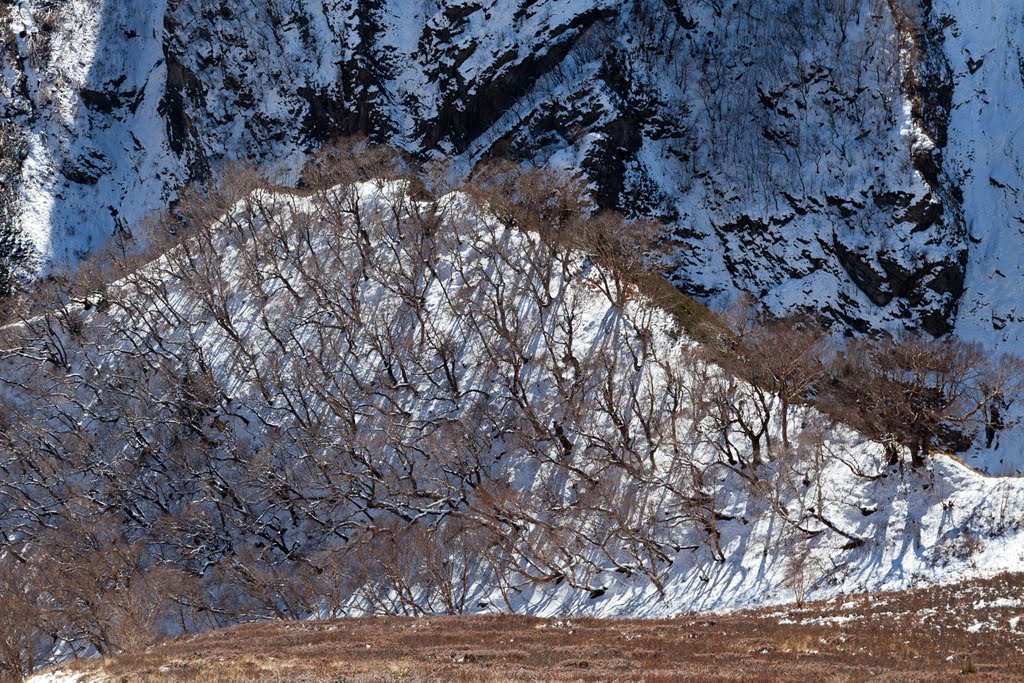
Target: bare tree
919,393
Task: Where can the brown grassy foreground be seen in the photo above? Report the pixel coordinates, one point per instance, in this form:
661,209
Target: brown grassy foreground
936,634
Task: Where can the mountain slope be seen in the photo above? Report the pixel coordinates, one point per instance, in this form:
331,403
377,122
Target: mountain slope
793,152
360,400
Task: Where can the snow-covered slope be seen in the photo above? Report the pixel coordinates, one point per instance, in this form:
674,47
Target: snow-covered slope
121,103
985,160
317,379
787,145
84,80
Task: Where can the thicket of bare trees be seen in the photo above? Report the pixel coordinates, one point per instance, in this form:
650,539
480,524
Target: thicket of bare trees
364,396
922,394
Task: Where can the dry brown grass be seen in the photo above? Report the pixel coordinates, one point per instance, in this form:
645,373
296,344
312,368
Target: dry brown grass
921,635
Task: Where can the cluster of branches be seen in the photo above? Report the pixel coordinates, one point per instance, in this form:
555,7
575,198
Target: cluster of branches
913,394
364,397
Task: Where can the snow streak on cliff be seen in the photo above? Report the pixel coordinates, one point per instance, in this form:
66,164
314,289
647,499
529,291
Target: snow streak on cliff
985,161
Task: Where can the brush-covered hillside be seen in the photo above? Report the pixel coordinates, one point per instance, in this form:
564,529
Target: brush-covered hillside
604,308
367,399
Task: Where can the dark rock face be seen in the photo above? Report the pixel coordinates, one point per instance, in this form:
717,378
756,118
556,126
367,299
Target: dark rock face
779,167
931,85
15,252
470,108
770,136
87,168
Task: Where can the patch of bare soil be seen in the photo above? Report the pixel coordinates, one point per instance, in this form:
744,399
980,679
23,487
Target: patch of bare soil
971,630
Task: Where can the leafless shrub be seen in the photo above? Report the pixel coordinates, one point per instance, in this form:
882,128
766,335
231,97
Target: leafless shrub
23,614
919,393
102,591
802,571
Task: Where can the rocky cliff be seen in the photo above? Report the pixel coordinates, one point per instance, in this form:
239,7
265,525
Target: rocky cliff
818,154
